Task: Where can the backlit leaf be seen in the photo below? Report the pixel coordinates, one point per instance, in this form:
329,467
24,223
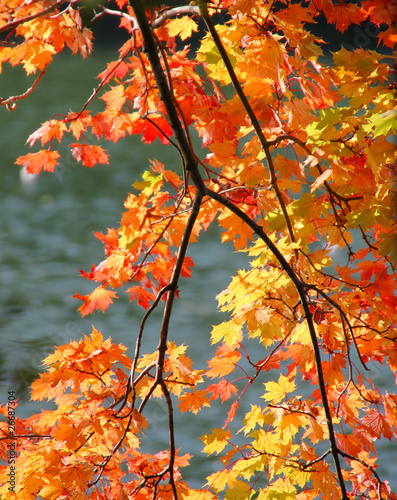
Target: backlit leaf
216,441
277,391
100,298
182,26
89,155
35,162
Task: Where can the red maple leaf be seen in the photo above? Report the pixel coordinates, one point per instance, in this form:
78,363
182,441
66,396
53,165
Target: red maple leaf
89,155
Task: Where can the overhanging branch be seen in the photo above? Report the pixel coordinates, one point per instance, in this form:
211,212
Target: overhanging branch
192,167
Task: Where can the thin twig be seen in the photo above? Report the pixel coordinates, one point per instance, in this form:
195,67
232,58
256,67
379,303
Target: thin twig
10,102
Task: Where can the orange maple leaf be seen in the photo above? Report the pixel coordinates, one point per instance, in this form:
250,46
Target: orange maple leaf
35,162
100,298
231,413
115,98
224,365
377,424
52,129
111,240
193,401
142,295
223,389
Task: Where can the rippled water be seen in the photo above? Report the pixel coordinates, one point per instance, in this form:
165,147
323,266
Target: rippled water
46,236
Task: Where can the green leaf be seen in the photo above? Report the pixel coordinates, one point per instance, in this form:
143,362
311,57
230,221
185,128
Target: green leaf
382,123
149,183
388,247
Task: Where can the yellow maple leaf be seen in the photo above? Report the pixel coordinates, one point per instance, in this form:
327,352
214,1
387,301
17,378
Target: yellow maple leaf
182,26
252,418
216,441
219,480
240,491
190,494
276,391
228,331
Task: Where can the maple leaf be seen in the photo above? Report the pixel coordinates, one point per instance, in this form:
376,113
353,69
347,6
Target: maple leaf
35,162
89,155
223,389
228,332
168,175
121,3
75,475
182,27
157,127
193,401
150,183
321,179
219,480
48,131
277,391
100,298
222,365
252,418
237,230
188,493
388,38
216,441
111,240
232,412
377,424
115,98
383,123
143,296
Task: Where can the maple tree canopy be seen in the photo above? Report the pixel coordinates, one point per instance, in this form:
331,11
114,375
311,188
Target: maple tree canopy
298,172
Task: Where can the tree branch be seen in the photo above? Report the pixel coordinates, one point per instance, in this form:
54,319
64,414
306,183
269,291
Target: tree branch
301,289
176,11
14,24
250,112
191,165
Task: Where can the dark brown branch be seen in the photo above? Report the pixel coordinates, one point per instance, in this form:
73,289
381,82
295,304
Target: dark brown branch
162,347
250,112
301,289
150,48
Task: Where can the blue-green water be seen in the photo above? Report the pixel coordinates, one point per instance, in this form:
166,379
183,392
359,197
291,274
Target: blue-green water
46,236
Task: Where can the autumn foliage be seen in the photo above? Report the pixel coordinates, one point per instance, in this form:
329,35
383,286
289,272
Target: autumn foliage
298,173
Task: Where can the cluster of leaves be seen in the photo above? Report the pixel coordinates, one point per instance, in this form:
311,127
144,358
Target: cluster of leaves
298,173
